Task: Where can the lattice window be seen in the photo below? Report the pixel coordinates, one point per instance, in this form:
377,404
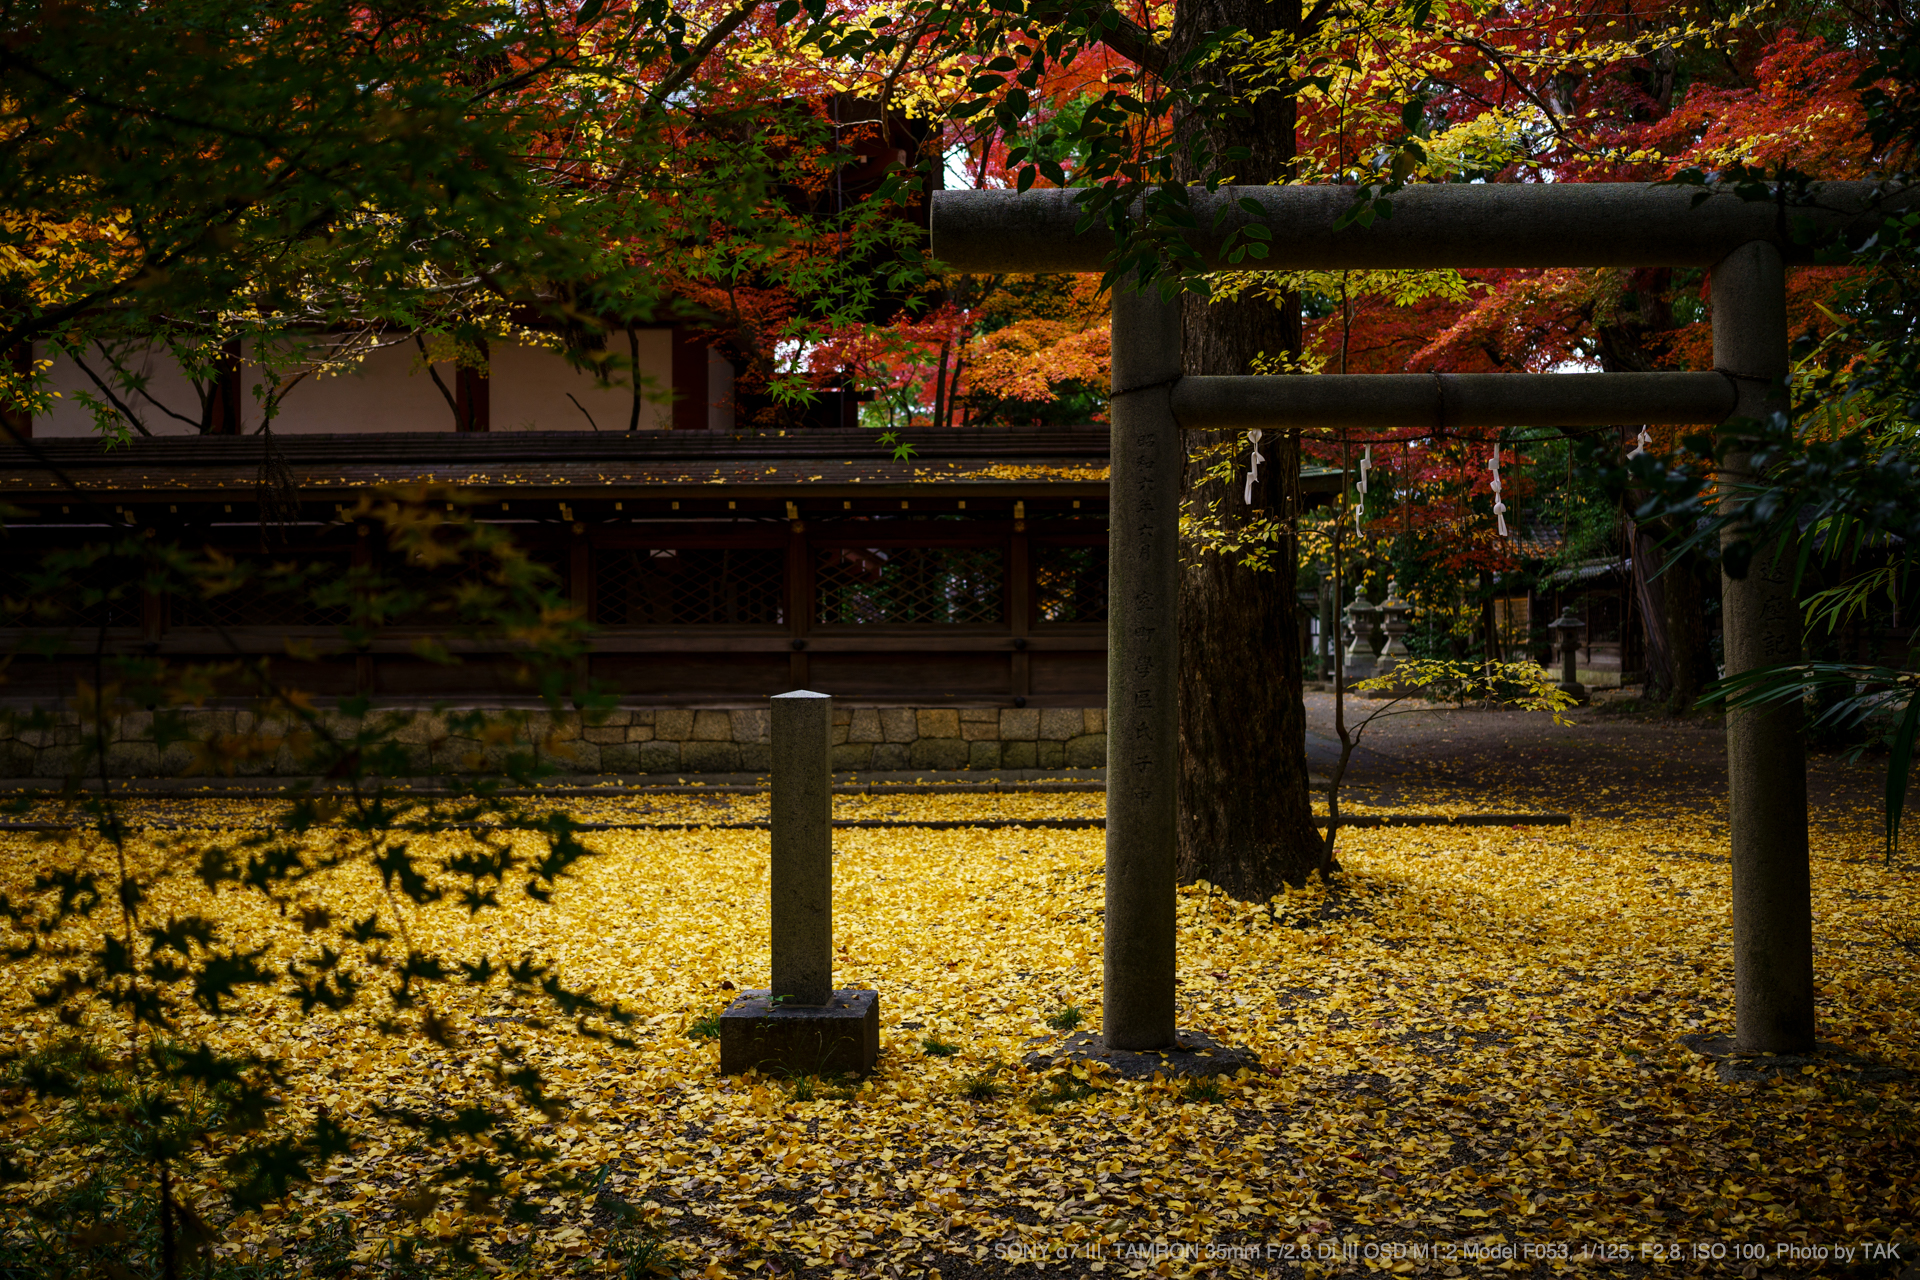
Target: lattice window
1069,583
106,592
1512,617
690,587
462,592
894,585
276,592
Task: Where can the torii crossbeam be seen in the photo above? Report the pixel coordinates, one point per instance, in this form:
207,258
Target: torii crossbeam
1747,244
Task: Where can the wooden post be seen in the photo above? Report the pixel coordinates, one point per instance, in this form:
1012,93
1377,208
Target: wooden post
580,595
799,604
689,381
1019,612
363,558
226,411
473,396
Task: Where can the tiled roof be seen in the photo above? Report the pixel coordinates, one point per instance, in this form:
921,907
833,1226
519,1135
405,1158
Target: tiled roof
1067,462
1537,541
557,463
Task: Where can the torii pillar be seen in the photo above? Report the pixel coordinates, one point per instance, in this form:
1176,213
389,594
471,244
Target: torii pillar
1760,626
1143,660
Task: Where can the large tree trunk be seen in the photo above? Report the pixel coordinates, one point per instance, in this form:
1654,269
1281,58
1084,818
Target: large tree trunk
1687,631
1246,822
1672,592
1673,610
1650,593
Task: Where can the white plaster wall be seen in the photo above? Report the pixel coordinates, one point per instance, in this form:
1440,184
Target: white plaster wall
530,387
389,390
165,385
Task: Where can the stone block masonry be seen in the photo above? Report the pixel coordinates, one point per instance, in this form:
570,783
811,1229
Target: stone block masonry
628,741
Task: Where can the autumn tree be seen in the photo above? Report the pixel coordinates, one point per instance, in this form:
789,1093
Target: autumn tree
315,180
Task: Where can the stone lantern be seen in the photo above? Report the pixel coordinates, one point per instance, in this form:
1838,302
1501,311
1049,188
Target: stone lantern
1567,629
1360,619
1395,626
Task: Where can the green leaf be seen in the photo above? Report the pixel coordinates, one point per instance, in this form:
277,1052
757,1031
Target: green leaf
1900,768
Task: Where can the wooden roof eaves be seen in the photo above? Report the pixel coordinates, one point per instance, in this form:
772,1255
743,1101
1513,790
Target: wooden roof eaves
815,491
570,465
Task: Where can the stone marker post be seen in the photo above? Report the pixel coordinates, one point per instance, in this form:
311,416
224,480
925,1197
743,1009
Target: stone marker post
802,873
1766,762
802,1026
1143,653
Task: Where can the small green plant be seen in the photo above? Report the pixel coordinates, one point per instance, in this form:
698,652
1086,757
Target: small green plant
1202,1089
1066,1018
1064,1088
634,1243
980,1088
803,1089
331,1249
934,1047
704,1028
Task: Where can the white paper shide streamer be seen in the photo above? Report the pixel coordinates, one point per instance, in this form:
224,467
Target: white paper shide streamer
1640,444
1253,463
1499,507
1360,507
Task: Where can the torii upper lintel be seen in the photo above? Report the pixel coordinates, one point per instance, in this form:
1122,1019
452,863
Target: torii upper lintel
1464,225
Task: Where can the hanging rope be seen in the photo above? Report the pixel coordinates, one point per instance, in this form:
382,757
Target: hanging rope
1360,507
1253,463
1641,442
1499,507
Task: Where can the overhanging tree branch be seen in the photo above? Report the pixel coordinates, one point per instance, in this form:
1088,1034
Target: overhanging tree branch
683,70
1136,44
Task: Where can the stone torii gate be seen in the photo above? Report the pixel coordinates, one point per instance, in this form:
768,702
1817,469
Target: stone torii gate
1746,244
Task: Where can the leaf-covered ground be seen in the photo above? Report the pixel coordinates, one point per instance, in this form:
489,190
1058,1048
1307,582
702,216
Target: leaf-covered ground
1468,1046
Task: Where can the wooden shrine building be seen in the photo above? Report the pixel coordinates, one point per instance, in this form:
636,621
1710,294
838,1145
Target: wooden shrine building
717,569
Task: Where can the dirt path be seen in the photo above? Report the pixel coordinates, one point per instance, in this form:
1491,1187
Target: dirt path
1611,761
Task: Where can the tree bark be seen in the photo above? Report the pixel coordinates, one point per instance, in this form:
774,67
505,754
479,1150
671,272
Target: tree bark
1673,610
1688,636
1246,821
1672,592
1650,593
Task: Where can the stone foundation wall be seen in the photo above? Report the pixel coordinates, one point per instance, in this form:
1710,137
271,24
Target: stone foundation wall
868,739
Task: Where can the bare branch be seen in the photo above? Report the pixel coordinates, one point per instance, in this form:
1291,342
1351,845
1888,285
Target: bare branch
112,399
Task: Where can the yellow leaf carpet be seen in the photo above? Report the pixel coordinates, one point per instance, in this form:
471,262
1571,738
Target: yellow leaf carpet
1468,1049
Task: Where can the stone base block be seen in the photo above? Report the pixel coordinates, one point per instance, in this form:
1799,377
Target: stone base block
1734,1064
1193,1053
841,1037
